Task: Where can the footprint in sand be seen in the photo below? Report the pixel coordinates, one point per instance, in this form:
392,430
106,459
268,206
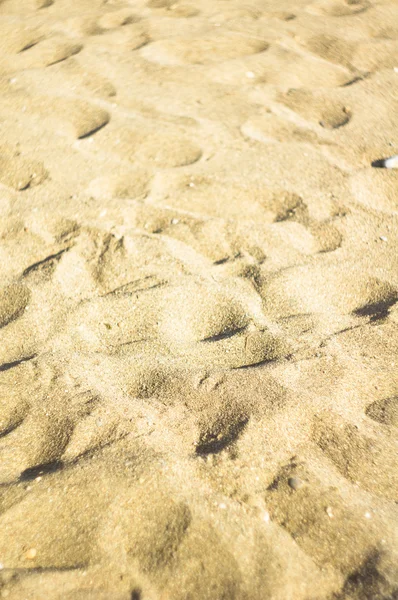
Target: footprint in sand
147,146
13,301
268,128
15,36
361,457
16,6
364,297
304,506
124,182
47,52
384,411
373,56
129,37
317,108
42,423
69,117
172,9
287,68
36,544
202,50
18,171
117,18
331,48
339,8
75,75
278,66
376,189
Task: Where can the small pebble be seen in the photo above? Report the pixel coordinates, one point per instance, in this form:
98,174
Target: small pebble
383,238
250,74
295,483
368,515
222,505
329,512
31,553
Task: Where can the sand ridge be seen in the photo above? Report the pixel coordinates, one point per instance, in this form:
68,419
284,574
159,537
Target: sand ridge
198,300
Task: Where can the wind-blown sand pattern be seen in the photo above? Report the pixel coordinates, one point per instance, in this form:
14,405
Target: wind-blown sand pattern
199,300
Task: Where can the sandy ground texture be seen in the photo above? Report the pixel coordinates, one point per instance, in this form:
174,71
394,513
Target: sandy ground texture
199,300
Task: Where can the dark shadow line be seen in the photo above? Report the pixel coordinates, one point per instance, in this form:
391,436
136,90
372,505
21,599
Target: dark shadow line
10,429
214,445
15,363
224,335
38,264
93,131
376,310
27,570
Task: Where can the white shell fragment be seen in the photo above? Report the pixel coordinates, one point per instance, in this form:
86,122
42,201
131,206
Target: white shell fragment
387,163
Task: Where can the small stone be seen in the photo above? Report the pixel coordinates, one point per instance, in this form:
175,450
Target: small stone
31,553
266,517
368,515
250,74
295,483
222,505
383,238
329,512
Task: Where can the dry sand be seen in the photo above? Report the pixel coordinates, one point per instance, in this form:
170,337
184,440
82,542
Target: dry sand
199,300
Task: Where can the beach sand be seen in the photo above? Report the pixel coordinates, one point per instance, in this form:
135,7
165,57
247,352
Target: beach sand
198,300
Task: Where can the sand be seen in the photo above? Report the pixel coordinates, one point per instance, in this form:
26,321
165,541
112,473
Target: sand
198,300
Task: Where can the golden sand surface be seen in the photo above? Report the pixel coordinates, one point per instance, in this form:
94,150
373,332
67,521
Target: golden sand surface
198,300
